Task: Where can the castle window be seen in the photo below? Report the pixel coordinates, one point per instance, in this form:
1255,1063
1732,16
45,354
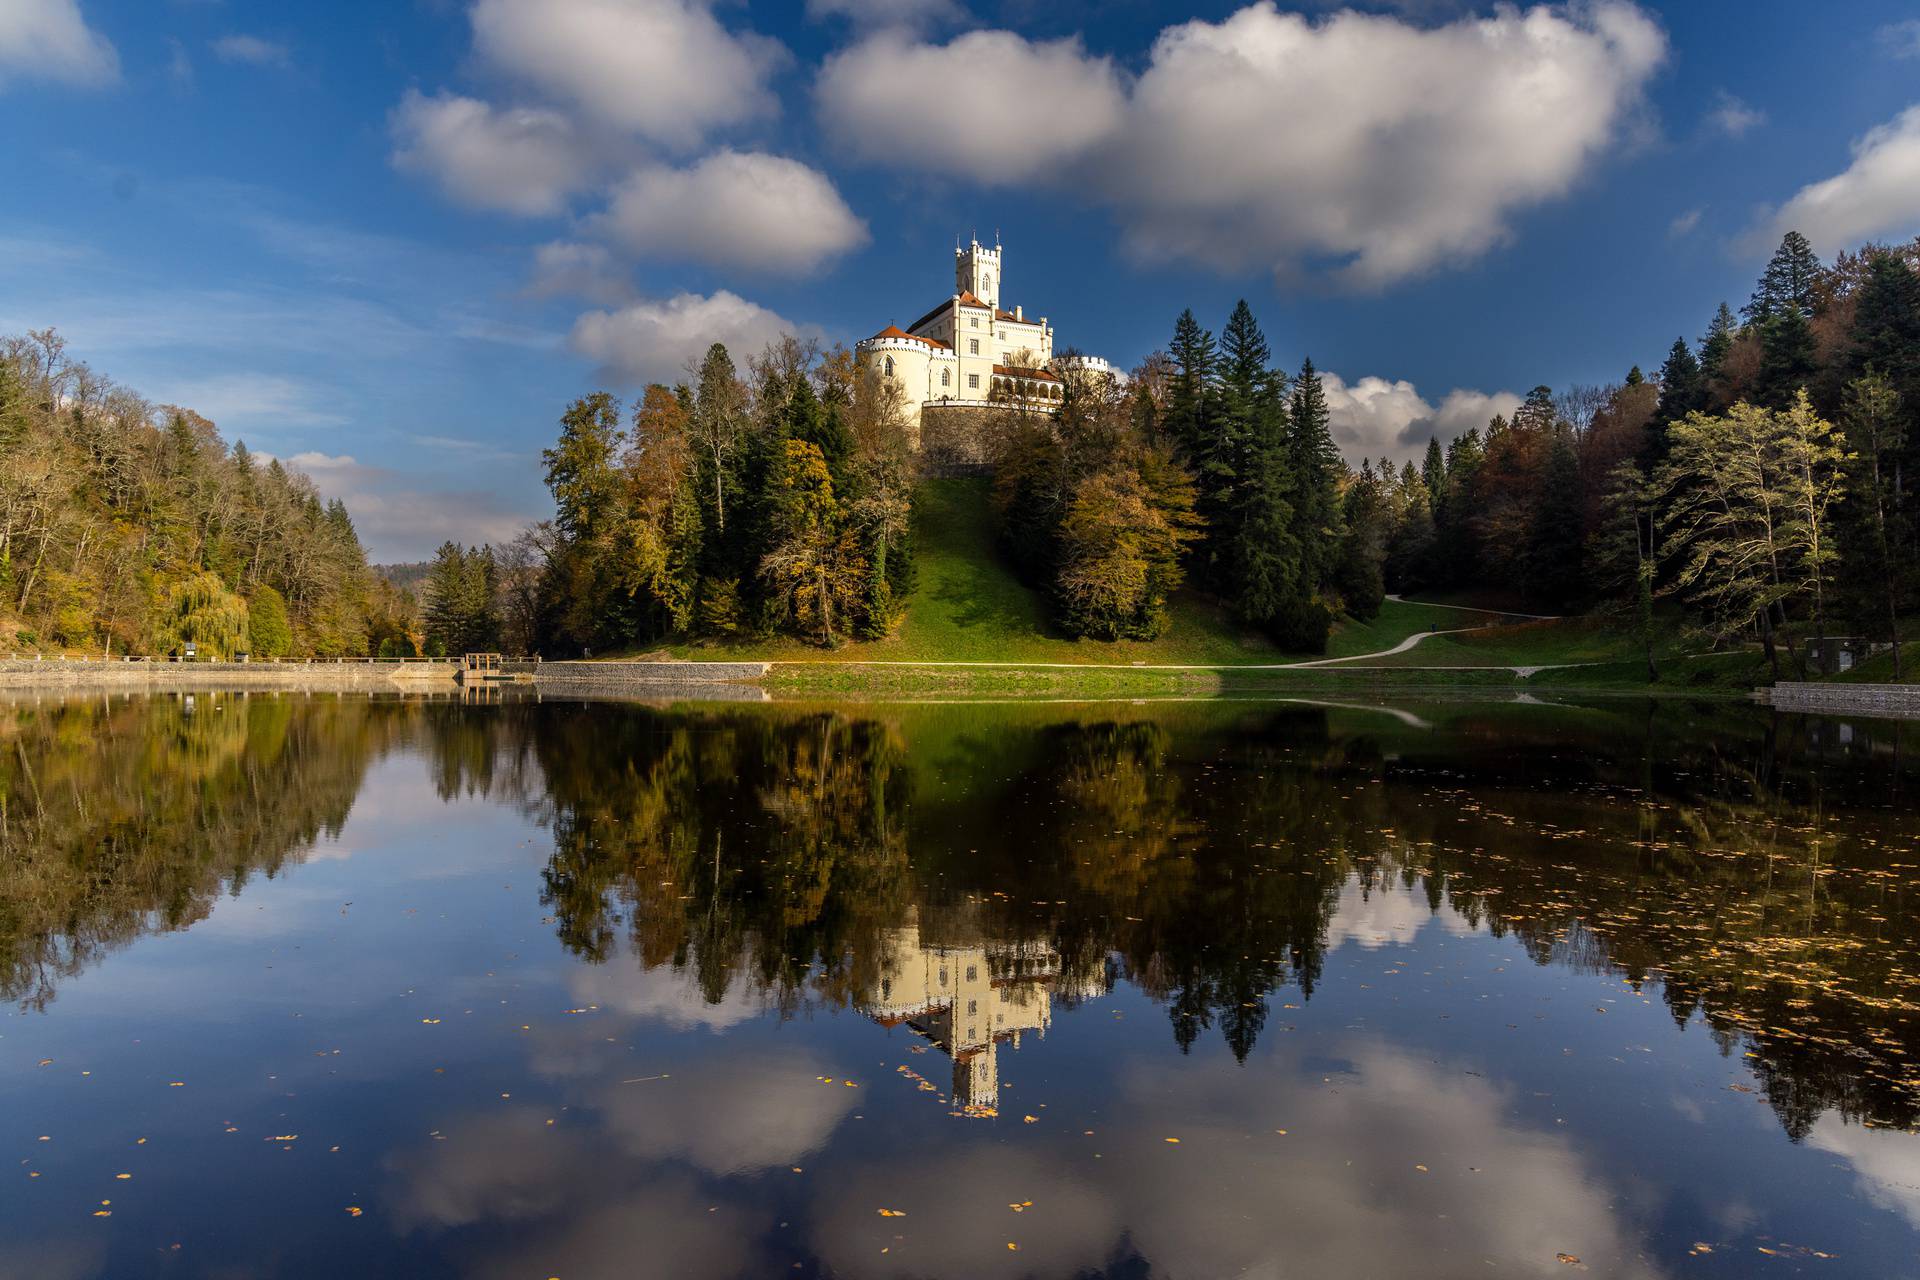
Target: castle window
973,380
946,377
973,346
987,283
889,366
973,321
973,973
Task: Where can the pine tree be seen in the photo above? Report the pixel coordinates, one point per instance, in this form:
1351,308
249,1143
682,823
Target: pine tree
1714,349
1680,395
1190,389
1788,282
1788,358
580,467
1875,571
1554,550
1317,471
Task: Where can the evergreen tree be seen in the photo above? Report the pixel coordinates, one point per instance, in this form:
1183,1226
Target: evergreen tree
1433,469
1788,282
1317,471
1361,551
1269,577
1788,359
580,467
1876,572
1886,340
1554,551
1680,394
1190,390
1714,349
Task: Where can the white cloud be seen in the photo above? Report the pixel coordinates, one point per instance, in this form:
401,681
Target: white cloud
989,105
664,69
1379,146
569,269
891,13
1901,39
50,40
1368,143
519,160
735,209
1374,416
1685,224
251,50
1877,195
1733,117
654,341
1885,1162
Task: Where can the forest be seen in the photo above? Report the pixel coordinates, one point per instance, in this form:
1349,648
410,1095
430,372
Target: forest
1759,485
127,527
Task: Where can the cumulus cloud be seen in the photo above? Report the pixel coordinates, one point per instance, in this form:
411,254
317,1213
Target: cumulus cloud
50,40
524,161
735,209
653,341
1209,1206
1028,107
1382,147
570,269
1376,416
663,69
1685,224
251,50
1733,117
1368,143
1885,1162
1877,195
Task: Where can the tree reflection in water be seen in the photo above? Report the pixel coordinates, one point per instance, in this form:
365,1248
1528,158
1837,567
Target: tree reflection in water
967,871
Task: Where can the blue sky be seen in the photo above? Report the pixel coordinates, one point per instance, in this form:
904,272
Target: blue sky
391,239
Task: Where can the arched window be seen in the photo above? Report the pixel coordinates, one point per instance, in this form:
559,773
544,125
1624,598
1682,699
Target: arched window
946,377
889,366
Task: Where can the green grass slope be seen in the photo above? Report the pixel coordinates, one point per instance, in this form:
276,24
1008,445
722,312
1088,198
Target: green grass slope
969,607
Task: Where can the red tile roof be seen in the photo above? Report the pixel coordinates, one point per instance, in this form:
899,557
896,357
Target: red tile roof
1041,375
894,331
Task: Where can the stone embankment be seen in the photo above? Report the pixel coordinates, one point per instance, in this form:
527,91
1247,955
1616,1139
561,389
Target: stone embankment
140,675
1901,700
618,679
706,680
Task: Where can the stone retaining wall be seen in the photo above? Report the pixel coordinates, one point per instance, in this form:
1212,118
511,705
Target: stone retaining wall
622,677
1901,700
54,673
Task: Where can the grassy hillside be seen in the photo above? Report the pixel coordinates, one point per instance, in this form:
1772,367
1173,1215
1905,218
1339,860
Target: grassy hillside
970,608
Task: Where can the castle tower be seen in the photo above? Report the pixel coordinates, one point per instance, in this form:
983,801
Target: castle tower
977,271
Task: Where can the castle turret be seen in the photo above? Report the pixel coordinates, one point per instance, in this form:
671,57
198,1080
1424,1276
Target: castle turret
977,271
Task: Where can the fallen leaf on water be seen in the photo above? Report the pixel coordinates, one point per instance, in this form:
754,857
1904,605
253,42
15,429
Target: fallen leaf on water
353,1211
1567,1258
893,1213
1175,1141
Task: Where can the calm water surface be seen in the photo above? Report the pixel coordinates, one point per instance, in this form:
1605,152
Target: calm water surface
322,986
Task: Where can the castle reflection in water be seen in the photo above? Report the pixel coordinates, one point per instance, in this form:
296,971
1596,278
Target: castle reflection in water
968,996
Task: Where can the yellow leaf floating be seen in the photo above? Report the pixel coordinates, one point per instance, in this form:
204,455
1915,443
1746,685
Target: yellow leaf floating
893,1213
353,1211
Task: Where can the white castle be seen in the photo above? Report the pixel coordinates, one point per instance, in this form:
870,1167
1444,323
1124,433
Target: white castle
969,352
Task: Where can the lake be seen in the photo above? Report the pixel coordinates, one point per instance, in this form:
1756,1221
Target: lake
321,986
